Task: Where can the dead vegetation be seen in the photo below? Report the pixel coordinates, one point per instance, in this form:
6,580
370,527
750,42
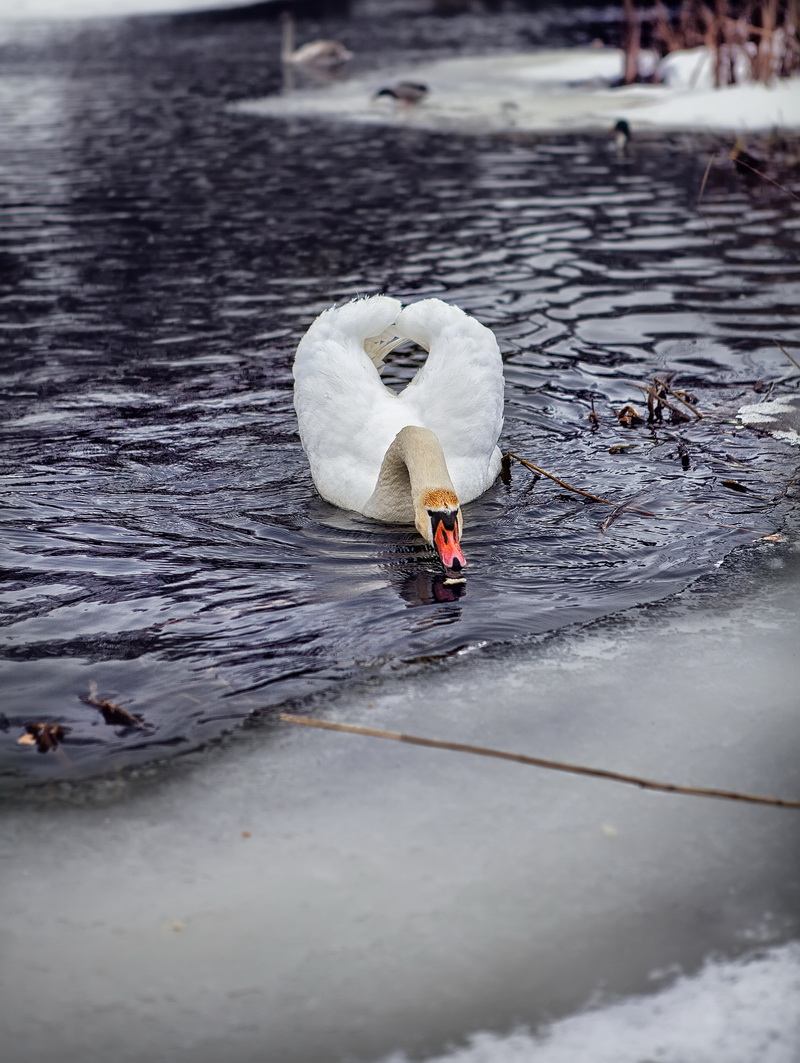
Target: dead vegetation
46,737
757,38
667,405
113,713
620,507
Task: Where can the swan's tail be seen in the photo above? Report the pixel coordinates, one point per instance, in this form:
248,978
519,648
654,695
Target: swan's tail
369,321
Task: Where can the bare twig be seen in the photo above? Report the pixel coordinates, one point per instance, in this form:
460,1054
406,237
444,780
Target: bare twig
766,177
615,505
679,397
654,398
791,357
539,762
563,483
705,176
616,512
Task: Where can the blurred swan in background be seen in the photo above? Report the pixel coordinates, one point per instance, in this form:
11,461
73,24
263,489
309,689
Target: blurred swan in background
318,53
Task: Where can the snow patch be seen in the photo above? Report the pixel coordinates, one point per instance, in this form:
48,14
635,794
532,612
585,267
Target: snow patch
737,1012
780,416
550,91
24,10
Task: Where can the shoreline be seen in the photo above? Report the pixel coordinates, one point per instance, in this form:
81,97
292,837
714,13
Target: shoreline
550,91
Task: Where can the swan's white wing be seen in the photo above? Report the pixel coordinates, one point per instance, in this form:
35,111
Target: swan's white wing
458,392
347,417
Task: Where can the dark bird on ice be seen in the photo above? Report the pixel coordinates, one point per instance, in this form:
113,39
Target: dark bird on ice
406,93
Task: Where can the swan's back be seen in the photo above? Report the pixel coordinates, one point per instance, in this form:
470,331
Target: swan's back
348,418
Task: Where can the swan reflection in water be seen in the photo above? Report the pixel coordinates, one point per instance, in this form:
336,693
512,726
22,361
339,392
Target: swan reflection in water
426,588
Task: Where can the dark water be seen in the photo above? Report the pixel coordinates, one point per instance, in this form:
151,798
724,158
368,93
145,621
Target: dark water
159,258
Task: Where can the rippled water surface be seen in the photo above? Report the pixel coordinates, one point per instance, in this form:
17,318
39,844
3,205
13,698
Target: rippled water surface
159,259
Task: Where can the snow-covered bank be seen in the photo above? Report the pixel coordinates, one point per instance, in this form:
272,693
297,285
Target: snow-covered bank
22,10
547,91
728,1013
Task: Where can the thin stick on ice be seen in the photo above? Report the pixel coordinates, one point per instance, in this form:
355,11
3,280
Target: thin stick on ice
539,762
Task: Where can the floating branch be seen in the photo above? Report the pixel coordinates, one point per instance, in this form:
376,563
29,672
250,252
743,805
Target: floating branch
563,483
616,512
540,762
616,505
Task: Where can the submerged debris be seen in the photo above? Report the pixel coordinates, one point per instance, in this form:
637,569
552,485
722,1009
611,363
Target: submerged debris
629,416
683,454
45,736
113,713
657,401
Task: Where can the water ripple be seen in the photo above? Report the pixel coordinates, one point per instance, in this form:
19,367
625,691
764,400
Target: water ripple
161,536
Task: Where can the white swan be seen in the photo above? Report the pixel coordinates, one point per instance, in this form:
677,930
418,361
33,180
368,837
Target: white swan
411,457
319,53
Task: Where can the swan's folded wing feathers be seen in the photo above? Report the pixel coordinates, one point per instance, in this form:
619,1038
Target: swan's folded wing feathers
458,392
348,418
360,318
345,414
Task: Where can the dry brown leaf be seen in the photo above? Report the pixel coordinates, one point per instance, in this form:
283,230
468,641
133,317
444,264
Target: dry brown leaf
112,713
45,736
629,416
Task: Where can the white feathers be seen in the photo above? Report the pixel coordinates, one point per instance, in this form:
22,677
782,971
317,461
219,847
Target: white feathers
348,419
323,54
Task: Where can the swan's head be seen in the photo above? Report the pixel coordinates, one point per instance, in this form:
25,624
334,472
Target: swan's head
438,520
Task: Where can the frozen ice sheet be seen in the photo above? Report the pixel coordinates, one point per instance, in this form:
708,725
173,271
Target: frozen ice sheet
299,895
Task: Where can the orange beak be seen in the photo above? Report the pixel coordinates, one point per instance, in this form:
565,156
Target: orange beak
446,542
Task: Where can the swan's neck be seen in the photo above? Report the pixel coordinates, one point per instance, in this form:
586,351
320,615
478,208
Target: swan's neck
287,38
413,479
